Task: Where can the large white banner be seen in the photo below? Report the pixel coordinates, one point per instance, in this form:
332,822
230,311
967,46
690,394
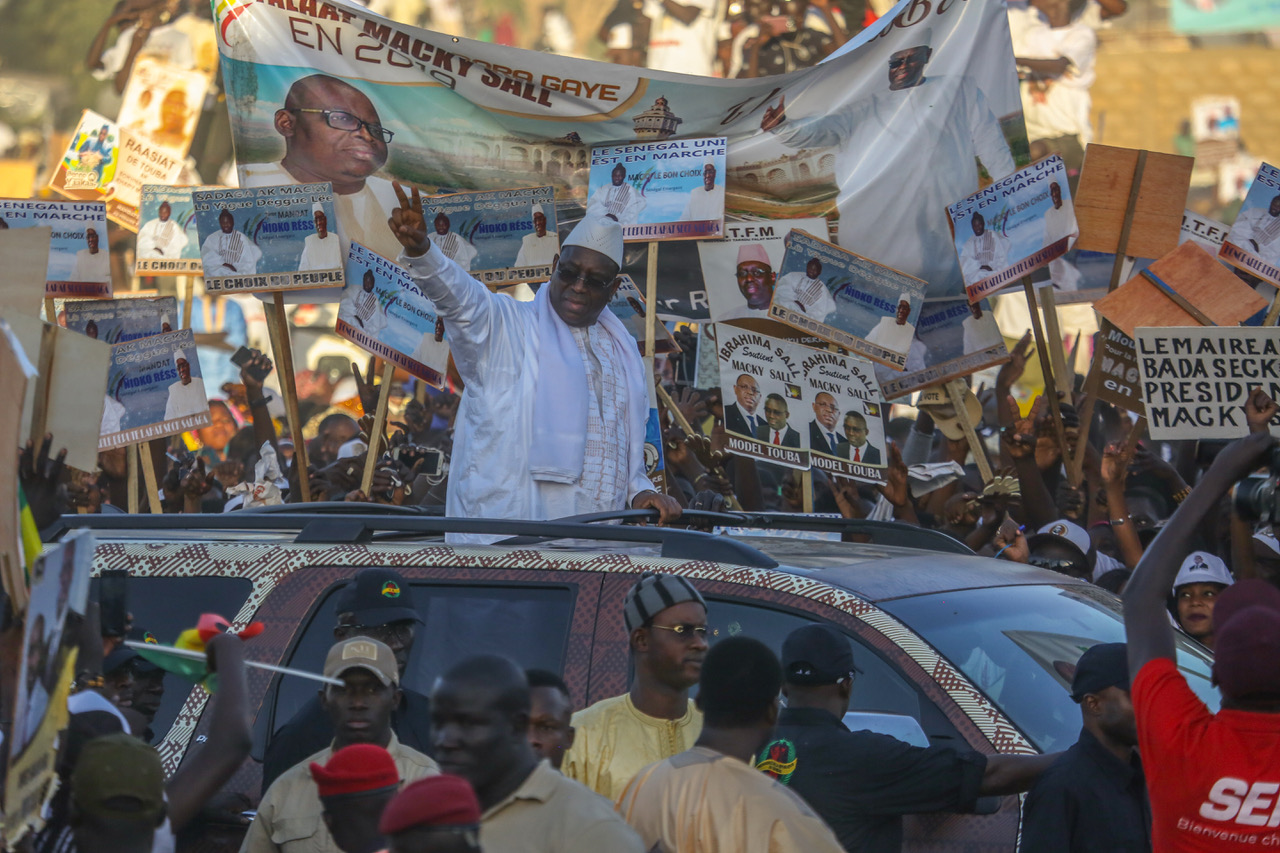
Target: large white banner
916,113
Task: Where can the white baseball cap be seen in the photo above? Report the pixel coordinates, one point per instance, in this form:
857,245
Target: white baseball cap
1202,567
1066,530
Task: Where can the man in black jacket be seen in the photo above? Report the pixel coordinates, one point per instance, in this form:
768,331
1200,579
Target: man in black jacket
376,603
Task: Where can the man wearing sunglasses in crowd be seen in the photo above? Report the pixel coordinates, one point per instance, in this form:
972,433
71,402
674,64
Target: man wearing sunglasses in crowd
376,603
552,421
332,132
666,621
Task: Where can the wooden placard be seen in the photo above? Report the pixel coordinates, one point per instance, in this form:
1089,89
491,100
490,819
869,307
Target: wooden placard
1102,200
1197,277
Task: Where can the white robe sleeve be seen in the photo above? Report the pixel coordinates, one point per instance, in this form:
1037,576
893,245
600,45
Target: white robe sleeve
988,136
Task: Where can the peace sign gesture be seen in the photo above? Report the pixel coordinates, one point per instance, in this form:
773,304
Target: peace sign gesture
408,224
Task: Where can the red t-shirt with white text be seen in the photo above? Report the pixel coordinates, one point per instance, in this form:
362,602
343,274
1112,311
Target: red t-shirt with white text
1214,779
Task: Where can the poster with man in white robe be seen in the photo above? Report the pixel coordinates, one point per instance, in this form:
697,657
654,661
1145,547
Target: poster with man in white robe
154,389
168,243
501,237
955,338
268,238
1253,243
115,321
385,314
79,263
741,270
1014,226
628,306
847,300
671,190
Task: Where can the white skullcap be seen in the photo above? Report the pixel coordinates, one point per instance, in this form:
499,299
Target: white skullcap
164,318
708,162
601,233
179,355
537,208
317,207
354,447
906,297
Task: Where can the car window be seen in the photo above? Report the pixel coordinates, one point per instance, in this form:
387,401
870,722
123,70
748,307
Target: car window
168,606
1019,645
529,624
877,685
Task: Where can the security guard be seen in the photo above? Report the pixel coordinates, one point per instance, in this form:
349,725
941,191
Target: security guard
861,783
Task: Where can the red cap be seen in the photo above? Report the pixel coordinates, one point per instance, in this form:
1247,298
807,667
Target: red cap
358,769
1246,620
434,801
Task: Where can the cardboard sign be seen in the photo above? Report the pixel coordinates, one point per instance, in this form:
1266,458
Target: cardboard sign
115,321
59,586
16,373
1195,380
384,313
766,398
168,243
845,299
1119,380
155,389
1014,226
162,103
78,262
26,263
269,238
1215,117
741,271
668,190
501,237
846,431
953,338
1102,201
107,163
1192,274
628,305
1253,244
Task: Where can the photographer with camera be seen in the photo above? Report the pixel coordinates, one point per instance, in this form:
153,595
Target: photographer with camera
1212,778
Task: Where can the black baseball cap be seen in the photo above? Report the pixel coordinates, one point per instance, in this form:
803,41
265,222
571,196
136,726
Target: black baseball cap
816,654
122,654
377,597
1101,666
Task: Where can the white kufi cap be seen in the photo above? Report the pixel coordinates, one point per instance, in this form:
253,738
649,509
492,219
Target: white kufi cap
537,208
179,355
601,233
317,207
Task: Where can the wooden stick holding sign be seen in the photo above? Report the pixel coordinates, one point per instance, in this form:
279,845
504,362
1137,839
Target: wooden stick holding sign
278,329
1127,227
1054,333
50,311
188,297
956,389
379,426
1046,369
1273,313
131,470
650,342
149,477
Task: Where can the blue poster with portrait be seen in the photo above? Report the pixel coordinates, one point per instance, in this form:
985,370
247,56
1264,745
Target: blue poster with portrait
154,389
500,237
115,321
79,262
167,240
672,189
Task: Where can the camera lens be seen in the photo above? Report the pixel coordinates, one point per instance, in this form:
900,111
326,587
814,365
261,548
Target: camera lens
1254,498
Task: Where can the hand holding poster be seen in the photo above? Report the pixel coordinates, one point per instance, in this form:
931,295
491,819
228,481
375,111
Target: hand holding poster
168,243
667,190
384,313
115,321
79,263
269,238
1253,244
848,300
764,377
954,338
1195,380
846,435
154,389
628,306
741,271
501,237
1014,226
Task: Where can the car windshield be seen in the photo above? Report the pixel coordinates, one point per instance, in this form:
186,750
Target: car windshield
1019,645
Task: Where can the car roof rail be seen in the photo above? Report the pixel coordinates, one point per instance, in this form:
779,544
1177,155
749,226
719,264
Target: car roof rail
890,533
345,508
360,526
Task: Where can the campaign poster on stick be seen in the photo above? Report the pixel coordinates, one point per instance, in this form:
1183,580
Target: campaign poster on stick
162,103
628,305
154,389
741,270
954,338
763,377
1253,244
1195,380
384,313
79,264
46,671
847,300
115,321
1014,226
501,237
107,163
667,190
1119,380
168,243
846,433
268,238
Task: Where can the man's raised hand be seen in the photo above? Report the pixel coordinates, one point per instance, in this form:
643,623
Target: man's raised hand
408,224
774,116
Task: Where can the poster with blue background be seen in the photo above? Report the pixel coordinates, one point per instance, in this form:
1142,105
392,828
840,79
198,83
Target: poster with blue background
667,190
